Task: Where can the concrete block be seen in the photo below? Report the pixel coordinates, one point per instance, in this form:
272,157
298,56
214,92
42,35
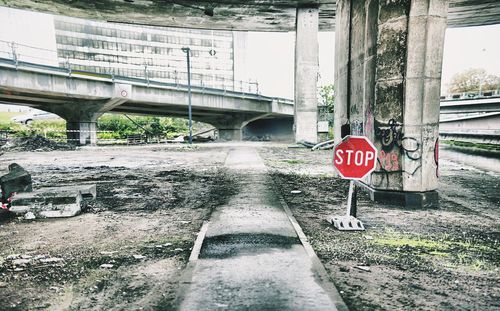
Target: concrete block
52,202
17,180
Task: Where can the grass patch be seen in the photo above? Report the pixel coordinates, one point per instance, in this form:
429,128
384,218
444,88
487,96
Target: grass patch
441,250
466,144
293,161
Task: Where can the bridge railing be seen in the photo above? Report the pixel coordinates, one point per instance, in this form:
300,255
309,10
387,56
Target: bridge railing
48,57
471,95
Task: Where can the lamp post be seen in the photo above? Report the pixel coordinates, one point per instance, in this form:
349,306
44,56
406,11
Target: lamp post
188,52
481,79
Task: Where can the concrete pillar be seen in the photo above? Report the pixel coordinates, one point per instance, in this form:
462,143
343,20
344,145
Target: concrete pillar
306,75
388,74
81,132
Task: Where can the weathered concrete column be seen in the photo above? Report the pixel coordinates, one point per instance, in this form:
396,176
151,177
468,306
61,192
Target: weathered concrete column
81,121
82,132
306,75
388,74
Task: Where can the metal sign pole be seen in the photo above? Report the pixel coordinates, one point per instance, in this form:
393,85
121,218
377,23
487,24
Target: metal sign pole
349,222
352,199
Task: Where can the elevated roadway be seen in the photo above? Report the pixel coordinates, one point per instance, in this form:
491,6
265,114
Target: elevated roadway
81,97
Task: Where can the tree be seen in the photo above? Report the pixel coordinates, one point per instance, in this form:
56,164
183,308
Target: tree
472,80
327,96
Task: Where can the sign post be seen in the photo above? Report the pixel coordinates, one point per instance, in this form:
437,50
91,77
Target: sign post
354,158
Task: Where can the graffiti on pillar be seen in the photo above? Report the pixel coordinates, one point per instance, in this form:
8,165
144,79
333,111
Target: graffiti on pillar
394,144
389,135
389,161
357,128
436,156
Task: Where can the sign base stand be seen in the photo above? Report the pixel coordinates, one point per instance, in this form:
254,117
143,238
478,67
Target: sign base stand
349,222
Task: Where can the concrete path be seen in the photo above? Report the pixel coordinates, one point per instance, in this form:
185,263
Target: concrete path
252,257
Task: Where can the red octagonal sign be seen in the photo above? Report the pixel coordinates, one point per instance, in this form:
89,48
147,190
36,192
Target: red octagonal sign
355,157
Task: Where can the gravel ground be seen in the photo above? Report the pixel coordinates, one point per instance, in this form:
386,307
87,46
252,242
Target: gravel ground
128,249
446,258
152,201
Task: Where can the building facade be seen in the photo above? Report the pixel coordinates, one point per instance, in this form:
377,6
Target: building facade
154,53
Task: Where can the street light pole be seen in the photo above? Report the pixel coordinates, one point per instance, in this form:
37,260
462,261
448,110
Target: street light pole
188,52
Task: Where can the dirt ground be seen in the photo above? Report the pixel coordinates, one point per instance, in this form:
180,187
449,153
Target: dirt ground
152,201
447,258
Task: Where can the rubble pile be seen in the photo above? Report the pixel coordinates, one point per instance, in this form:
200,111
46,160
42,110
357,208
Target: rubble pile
35,143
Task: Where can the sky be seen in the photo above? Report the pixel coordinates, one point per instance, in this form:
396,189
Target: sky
271,56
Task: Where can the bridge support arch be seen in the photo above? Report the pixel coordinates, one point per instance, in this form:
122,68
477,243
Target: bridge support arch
81,119
388,60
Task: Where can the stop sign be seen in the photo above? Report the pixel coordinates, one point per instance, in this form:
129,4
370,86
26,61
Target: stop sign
355,157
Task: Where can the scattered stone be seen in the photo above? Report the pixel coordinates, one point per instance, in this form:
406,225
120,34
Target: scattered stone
363,268
185,222
3,284
295,191
344,269
26,256
21,262
178,250
29,216
139,257
51,260
54,288
106,266
106,253
13,256
368,237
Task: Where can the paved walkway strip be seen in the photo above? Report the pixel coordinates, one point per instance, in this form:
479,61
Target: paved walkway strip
252,257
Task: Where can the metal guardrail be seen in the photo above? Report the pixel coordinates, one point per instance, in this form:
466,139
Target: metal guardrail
10,57
87,75
471,95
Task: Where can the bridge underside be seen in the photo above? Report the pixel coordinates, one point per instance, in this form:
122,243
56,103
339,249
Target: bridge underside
387,68
253,15
81,109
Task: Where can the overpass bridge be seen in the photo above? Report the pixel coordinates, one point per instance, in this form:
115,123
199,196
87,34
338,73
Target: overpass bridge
82,97
471,117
